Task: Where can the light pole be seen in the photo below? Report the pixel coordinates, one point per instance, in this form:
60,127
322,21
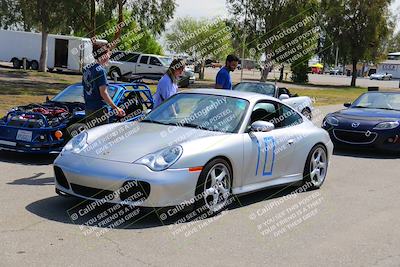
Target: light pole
244,42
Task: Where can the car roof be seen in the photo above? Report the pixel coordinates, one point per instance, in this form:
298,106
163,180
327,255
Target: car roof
117,84
250,96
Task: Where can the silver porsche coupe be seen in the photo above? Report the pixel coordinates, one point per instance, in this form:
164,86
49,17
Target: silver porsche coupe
199,147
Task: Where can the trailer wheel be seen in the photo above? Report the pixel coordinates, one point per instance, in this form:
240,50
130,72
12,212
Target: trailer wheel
34,65
16,63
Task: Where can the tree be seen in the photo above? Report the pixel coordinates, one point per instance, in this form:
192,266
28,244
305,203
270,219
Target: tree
394,43
132,36
149,14
45,16
357,27
261,20
80,17
201,39
13,13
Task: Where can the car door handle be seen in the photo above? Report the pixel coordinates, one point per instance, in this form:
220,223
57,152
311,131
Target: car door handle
139,65
291,142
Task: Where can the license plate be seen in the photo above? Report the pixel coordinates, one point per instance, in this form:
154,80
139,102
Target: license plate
7,143
23,135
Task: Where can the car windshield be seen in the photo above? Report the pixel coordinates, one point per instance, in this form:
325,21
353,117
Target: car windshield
202,111
166,61
261,88
74,93
390,101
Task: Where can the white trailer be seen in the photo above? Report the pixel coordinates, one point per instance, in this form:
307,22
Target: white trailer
63,52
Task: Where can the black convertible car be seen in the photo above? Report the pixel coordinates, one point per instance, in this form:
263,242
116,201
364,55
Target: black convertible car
371,121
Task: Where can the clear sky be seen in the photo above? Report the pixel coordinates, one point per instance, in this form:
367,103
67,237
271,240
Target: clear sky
201,8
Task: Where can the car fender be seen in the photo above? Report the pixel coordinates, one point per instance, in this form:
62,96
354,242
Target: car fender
196,153
299,103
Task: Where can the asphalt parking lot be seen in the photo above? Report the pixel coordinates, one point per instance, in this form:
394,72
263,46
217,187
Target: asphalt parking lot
351,221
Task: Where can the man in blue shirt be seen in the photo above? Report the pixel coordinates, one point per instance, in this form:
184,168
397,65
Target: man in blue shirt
95,85
223,80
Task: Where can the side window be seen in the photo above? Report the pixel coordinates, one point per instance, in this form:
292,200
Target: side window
266,111
129,57
289,117
283,91
115,56
133,58
155,62
144,59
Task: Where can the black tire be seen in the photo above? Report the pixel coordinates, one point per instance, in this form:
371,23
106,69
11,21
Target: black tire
117,70
307,176
201,205
307,113
34,65
16,63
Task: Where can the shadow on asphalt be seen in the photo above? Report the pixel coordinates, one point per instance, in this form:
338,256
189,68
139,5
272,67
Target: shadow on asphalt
367,154
27,159
62,209
35,179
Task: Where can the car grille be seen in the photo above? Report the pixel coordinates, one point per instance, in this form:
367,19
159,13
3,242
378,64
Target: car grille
133,191
355,137
60,177
91,192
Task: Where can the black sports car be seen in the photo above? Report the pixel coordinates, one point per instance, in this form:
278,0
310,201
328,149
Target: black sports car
372,121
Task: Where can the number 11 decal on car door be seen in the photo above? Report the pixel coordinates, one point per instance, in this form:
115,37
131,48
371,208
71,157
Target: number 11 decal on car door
266,156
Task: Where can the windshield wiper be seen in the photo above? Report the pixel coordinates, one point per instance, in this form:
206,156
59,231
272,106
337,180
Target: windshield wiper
158,122
192,125
359,107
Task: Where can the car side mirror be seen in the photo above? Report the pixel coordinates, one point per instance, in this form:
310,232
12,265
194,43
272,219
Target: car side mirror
347,105
261,126
284,96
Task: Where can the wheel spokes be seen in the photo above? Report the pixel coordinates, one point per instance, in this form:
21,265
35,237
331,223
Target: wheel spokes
219,188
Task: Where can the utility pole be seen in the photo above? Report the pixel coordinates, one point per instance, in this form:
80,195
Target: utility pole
244,43
337,55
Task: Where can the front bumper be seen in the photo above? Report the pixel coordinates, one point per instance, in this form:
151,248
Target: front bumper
166,188
385,140
9,140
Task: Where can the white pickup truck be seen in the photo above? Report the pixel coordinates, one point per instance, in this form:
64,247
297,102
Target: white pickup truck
303,104
149,66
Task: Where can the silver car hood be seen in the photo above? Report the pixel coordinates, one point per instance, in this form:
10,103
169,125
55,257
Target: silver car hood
127,142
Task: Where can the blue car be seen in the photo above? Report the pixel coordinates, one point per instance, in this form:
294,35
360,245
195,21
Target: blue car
372,121
46,128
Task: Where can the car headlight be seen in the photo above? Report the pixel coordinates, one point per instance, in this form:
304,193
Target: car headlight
162,159
332,121
77,144
386,125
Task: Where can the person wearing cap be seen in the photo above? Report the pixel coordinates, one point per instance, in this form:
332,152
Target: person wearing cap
168,84
223,79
